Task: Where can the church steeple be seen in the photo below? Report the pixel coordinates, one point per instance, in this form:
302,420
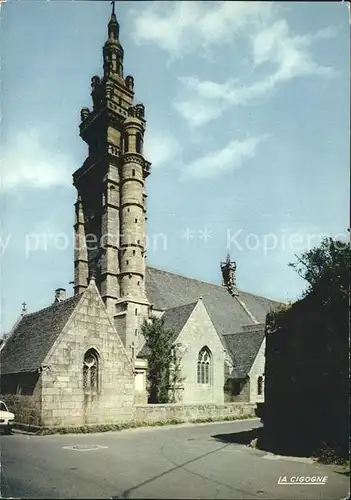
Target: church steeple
111,198
113,51
113,26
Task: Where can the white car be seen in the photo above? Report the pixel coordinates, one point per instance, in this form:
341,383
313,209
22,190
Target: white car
6,418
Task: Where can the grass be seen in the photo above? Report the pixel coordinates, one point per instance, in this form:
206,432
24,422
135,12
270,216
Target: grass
88,429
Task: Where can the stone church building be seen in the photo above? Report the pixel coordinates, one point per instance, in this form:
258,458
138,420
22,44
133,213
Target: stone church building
83,358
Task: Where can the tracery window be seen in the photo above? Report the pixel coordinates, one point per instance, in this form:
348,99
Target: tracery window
91,371
204,366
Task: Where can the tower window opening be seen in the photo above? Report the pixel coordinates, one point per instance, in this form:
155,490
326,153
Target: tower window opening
138,142
128,209
135,220
136,332
125,142
133,172
136,312
133,252
127,262
138,283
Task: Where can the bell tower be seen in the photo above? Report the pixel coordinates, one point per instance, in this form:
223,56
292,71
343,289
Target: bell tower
110,228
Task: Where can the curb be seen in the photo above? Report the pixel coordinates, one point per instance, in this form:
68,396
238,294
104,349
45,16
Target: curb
156,425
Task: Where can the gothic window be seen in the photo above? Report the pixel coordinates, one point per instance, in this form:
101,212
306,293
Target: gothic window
204,365
91,371
260,386
138,142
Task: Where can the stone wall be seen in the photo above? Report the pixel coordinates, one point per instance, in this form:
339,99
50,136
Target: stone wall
25,408
237,390
257,370
64,402
187,412
196,334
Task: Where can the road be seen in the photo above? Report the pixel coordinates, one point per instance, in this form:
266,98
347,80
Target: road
187,461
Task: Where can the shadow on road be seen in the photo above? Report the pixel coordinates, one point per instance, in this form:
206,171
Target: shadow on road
244,437
257,439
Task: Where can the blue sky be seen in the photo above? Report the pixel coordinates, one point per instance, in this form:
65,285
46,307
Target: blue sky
247,106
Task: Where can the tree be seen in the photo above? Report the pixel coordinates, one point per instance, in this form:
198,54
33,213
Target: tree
326,269
164,372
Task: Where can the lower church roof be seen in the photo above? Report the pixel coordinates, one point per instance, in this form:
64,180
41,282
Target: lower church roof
167,290
239,321
34,335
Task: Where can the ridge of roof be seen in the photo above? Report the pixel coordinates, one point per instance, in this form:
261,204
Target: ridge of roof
212,284
54,304
34,335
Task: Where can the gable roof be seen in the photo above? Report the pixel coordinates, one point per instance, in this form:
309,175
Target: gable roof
243,348
34,335
167,290
174,319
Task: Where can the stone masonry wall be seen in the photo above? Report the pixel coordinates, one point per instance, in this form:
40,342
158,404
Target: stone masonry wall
197,333
232,394
257,370
63,400
186,413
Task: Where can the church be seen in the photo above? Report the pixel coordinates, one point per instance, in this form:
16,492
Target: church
83,358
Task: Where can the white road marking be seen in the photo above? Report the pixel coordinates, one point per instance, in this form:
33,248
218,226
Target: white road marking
84,447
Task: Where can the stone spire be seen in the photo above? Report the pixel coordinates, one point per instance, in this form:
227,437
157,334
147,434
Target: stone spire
228,269
113,26
113,51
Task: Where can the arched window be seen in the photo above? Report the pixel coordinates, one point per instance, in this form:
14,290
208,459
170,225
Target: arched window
204,365
91,371
260,386
138,143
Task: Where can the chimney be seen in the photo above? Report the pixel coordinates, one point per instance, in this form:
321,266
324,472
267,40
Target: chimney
228,269
60,294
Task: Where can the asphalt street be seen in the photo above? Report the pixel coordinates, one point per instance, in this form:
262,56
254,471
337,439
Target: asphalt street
188,461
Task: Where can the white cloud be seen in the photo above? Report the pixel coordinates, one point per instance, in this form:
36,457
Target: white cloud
184,27
290,55
229,158
160,148
26,162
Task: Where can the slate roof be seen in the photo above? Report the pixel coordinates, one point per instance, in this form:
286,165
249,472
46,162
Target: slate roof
174,319
167,290
243,348
34,335
241,332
